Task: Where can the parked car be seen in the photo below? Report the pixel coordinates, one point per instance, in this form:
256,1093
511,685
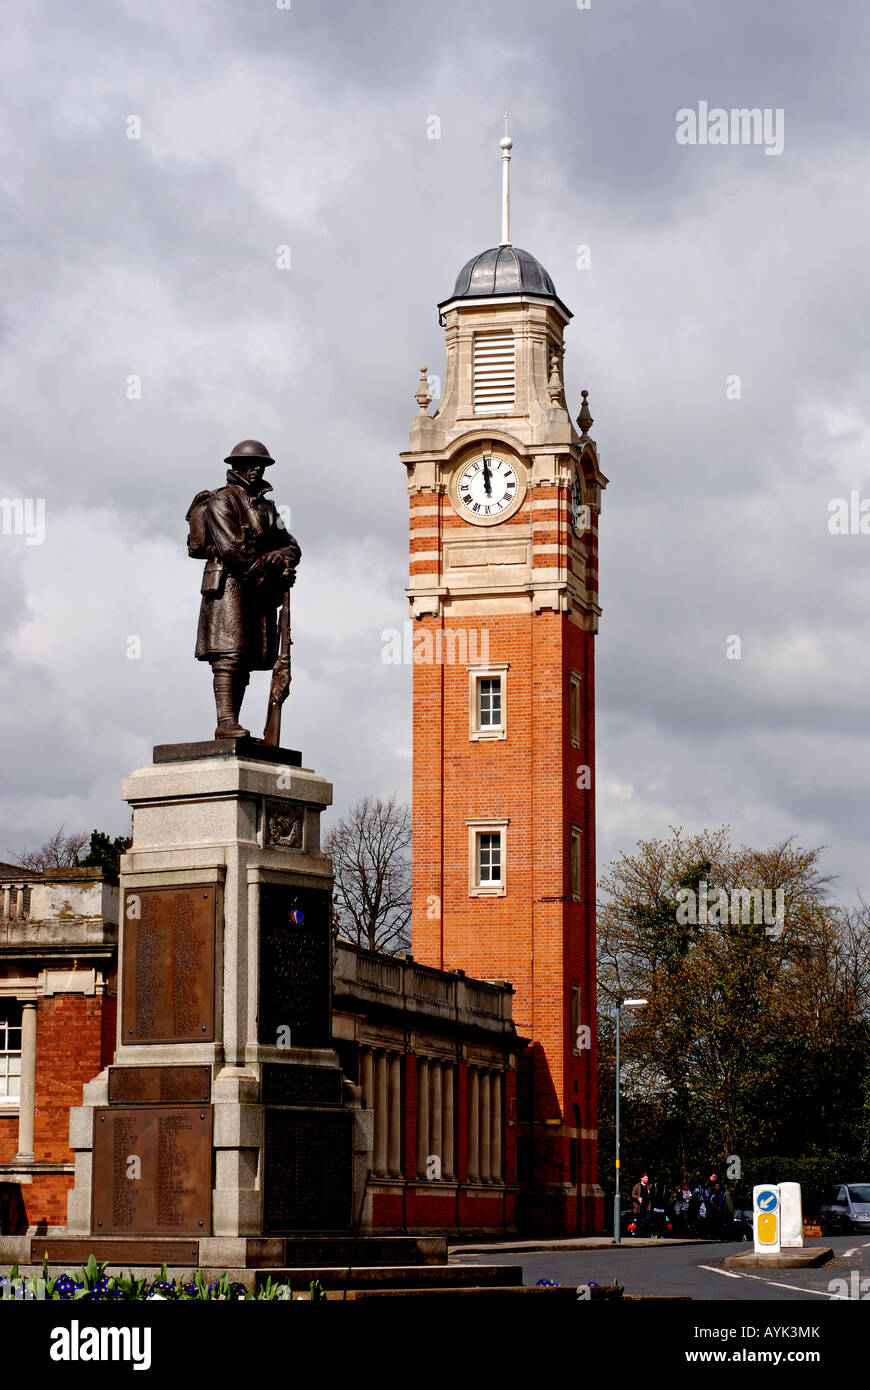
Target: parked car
659,1223
845,1207
627,1221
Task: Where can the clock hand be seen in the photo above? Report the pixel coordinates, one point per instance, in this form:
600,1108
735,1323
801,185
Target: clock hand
487,477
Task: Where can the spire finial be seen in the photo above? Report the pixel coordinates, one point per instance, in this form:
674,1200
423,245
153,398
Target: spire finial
554,385
423,396
506,146
584,419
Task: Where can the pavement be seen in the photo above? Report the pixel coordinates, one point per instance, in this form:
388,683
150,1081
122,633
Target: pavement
683,1268
576,1243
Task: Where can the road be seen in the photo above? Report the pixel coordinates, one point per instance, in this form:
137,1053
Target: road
696,1270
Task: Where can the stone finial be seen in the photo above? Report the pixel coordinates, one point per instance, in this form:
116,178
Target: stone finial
554,385
424,395
584,419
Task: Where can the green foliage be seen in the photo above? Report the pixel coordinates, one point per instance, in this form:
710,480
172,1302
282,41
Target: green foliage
754,1041
105,853
814,1172
92,1284
131,1289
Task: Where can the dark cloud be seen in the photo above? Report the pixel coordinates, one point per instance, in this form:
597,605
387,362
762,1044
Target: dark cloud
307,127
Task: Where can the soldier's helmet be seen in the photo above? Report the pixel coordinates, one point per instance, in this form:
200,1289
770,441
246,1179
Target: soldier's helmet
249,451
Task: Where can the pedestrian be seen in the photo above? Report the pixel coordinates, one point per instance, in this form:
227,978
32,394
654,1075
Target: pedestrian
729,1202
715,1213
699,1211
682,1207
641,1201
659,1201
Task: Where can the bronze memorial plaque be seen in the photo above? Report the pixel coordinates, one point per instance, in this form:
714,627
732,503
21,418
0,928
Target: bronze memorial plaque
76,1249
169,964
295,1084
307,1181
295,966
151,1085
152,1171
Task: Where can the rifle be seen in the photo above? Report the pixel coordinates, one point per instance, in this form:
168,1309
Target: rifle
280,687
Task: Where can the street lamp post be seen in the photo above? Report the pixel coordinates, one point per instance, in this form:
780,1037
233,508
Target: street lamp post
617,1223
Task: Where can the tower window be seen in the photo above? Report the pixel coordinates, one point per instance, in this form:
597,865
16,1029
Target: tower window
574,693
489,859
576,1018
10,1051
487,701
575,863
487,845
493,373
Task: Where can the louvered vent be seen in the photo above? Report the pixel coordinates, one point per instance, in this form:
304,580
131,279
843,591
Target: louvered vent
494,373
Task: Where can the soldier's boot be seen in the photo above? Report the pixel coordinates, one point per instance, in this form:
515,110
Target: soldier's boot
240,685
227,707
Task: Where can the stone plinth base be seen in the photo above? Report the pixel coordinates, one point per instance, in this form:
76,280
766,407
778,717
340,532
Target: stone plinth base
220,1253
225,1120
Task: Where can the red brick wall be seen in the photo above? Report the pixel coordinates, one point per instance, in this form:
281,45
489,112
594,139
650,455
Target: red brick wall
45,1199
68,1053
8,1138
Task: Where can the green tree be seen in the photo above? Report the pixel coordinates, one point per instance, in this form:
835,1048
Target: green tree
105,853
62,851
756,1033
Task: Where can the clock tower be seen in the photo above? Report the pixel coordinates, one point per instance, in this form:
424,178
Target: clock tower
505,495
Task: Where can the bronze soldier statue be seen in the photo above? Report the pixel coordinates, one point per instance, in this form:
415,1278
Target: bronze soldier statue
251,562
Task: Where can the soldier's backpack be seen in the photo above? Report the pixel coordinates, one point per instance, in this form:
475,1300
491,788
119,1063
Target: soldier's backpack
198,538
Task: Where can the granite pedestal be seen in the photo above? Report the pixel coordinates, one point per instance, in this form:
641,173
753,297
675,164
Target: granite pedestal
225,1122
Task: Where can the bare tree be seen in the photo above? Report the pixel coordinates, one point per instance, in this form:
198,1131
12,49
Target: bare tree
60,851
369,850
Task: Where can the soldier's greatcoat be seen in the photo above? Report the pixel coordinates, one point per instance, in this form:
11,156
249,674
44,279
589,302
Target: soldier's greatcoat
238,610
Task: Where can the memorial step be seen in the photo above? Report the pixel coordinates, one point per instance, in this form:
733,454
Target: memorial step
295,1252
396,1277
328,1252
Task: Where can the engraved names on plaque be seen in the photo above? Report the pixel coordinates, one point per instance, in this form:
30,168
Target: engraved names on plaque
308,1181
169,942
149,1085
296,1084
152,1171
295,966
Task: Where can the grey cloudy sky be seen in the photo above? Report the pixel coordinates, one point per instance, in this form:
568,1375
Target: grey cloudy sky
307,127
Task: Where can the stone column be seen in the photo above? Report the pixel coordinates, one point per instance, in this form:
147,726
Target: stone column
485,1127
395,1081
7,900
473,1125
381,1113
422,1115
495,1151
27,1097
435,1113
366,1078
447,1157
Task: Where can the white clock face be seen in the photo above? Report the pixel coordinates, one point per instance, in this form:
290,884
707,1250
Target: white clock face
487,486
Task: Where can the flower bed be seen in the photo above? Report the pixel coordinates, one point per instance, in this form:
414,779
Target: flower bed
92,1284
